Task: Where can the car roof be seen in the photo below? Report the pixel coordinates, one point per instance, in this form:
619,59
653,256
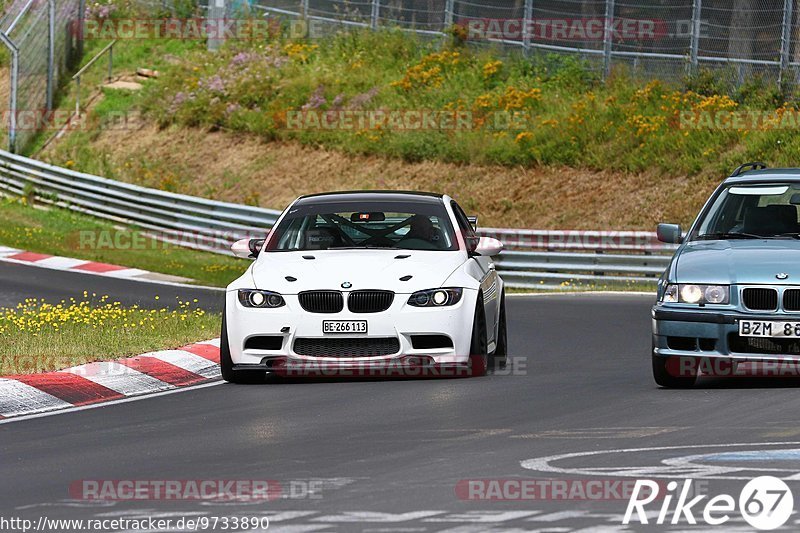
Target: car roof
761,176
370,196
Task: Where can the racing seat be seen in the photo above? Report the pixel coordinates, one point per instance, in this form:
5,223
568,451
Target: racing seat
322,238
422,229
771,220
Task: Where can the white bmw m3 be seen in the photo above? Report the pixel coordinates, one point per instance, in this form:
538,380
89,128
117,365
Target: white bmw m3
360,280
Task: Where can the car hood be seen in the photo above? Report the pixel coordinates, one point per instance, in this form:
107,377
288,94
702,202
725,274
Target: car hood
739,261
364,269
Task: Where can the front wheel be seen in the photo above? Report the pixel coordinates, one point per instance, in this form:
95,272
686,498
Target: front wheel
501,348
226,363
478,350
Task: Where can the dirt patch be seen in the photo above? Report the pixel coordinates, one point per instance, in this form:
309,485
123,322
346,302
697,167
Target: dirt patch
243,169
124,85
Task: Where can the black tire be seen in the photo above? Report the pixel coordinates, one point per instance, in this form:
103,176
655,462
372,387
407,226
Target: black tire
226,363
498,359
666,378
478,350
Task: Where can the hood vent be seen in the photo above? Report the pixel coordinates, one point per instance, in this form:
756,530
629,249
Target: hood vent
290,278
406,278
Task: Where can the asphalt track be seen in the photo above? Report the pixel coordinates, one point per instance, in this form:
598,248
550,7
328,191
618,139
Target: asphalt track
389,455
18,282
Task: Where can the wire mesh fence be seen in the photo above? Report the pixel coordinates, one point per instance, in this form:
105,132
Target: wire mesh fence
668,39
41,41
738,39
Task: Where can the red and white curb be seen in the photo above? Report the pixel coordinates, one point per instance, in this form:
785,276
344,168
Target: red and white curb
55,262
98,382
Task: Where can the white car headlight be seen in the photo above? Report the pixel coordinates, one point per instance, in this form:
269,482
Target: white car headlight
260,299
692,293
435,297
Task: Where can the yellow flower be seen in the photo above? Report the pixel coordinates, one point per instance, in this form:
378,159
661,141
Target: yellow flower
491,68
525,136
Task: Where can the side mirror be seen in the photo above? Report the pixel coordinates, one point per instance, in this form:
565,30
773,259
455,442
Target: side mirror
669,233
488,246
247,248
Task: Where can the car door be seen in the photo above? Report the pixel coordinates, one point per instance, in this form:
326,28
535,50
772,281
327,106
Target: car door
489,281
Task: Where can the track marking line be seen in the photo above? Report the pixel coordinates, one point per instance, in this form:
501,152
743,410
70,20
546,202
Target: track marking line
18,398
72,388
106,382
189,361
112,402
120,377
82,266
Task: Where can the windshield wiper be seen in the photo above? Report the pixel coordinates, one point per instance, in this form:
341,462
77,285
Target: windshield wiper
730,235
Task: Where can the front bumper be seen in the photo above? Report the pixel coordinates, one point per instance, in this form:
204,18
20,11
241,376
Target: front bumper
400,322
683,332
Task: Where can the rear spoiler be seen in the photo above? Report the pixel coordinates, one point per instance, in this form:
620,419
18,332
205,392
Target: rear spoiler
473,222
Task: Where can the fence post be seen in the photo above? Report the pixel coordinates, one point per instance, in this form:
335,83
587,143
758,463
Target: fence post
697,8
304,8
216,12
111,62
12,120
51,51
448,13
786,37
81,23
527,24
376,8
12,96
607,38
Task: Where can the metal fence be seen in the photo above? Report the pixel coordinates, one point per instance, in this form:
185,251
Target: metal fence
546,260
662,38
41,39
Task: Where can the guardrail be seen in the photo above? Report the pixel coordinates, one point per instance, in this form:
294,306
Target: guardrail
185,220
540,259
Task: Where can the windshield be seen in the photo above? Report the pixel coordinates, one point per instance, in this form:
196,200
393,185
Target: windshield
753,212
343,225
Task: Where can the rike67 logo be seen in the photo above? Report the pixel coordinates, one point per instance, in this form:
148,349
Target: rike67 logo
765,503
